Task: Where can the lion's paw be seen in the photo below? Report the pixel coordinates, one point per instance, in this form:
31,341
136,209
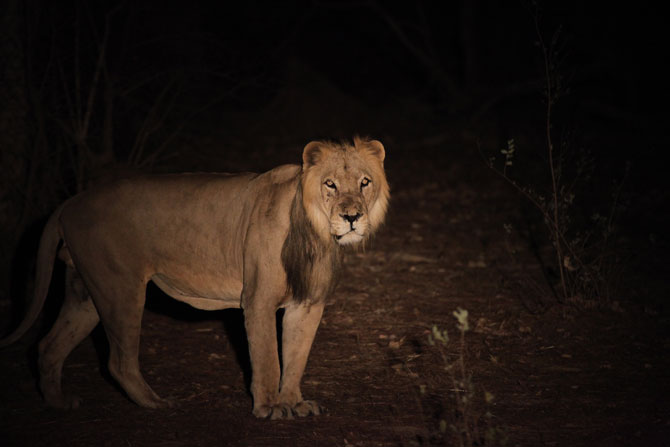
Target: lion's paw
63,401
273,412
307,407
285,411
160,403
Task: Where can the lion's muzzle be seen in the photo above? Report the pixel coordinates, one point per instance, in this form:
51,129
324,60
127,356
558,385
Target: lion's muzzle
350,224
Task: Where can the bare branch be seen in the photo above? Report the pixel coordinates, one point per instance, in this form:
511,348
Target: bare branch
152,122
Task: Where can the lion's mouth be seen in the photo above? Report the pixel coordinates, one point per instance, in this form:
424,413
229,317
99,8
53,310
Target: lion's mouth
350,237
340,236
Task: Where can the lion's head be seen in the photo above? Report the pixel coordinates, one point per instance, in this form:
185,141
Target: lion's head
345,193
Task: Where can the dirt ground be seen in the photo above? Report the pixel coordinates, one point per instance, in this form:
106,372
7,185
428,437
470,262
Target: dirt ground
561,375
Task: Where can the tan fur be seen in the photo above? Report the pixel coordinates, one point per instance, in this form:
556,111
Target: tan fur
214,241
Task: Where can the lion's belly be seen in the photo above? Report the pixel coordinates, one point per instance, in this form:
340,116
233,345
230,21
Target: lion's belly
224,295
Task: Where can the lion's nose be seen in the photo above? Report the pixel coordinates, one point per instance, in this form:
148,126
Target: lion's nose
351,218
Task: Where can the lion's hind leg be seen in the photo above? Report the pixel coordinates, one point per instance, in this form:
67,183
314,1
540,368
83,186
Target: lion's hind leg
121,308
76,320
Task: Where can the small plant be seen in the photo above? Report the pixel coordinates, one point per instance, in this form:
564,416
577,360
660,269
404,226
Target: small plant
467,427
581,257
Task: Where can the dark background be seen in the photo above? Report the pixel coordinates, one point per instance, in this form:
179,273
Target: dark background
92,91
303,70
96,90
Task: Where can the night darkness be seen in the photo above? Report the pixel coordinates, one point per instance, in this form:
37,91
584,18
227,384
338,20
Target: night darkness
570,352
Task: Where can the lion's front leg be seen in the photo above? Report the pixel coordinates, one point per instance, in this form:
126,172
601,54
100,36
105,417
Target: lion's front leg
260,324
298,330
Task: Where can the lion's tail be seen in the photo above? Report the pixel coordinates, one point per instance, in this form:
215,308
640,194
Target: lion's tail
46,255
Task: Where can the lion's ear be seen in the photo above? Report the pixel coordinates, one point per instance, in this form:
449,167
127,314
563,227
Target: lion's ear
377,149
311,154
373,147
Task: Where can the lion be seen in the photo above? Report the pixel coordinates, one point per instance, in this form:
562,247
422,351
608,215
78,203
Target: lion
259,242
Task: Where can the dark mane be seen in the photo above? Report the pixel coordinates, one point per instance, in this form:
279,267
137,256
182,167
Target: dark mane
311,264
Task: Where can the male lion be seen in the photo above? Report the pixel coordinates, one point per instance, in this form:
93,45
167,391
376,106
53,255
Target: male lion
256,241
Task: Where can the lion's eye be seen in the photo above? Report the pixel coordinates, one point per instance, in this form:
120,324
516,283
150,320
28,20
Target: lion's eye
329,183
365,182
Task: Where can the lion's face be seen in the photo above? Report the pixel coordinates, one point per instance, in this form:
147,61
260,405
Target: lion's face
345,192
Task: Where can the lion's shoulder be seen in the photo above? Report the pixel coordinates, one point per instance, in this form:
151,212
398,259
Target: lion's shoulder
284,173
